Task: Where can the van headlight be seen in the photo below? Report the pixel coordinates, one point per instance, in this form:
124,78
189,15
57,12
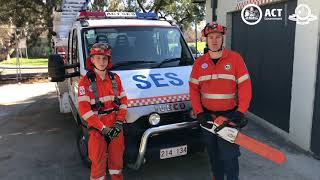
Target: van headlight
154,119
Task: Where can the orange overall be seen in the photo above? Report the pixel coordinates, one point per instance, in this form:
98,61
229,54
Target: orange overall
98,147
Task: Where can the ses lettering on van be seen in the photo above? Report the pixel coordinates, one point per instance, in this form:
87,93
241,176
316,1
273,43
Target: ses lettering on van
144,83
159,80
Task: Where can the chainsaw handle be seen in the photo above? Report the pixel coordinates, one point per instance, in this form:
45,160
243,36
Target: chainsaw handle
224,124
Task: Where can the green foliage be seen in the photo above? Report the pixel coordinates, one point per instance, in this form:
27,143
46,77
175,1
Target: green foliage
114,5
200,45
25,61
21,12
184,12
27,18
187,14
99,5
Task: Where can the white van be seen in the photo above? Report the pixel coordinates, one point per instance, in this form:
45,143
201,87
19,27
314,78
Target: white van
154,63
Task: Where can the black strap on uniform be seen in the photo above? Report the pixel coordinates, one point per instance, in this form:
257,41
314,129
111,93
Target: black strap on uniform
116,100
98,104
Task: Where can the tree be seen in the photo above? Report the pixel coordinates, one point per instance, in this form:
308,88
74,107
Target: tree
5,37
153,6
27,18
99,5
187,13
184,12
114,5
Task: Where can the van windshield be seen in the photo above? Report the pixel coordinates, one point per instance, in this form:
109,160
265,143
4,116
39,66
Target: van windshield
140,47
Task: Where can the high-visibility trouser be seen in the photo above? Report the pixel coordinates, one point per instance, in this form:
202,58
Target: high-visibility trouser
98,151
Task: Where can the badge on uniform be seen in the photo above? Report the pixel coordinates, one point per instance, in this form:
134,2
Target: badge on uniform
82,90
227,67
204,66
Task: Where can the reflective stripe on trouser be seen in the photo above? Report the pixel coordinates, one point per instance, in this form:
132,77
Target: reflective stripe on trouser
116,174
115,171
98,149
100,178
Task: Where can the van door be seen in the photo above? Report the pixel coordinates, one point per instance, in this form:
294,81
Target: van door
73,58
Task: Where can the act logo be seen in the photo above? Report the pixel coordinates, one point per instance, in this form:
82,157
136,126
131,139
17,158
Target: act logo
302,15
251,14
273,14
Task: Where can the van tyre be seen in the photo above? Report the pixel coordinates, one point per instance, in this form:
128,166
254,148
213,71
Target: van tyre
82,144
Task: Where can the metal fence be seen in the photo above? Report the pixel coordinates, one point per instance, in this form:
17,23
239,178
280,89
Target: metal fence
17,43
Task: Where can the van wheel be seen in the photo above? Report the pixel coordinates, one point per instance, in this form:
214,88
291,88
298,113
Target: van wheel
82,144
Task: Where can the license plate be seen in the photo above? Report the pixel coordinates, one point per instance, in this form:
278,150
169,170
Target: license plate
173,152
171,107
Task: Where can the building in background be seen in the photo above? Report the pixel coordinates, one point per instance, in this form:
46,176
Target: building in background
282,55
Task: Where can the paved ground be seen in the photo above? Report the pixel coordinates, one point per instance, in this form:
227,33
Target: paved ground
37,143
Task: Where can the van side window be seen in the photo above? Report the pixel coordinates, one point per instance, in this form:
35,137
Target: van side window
74,56
74,50
174,44
69,48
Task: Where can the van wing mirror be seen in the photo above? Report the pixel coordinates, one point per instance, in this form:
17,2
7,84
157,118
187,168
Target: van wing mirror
57,68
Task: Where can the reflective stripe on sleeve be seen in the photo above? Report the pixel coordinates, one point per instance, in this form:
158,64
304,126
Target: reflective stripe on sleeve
123,106
194,81
243,78
122,94
115,171
218,96
87,115
84,98
205,78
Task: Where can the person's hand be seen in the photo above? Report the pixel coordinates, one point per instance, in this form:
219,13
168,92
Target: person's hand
106,133
203,119
116,129
237,117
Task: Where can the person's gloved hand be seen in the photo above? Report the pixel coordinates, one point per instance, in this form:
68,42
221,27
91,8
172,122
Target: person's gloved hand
116,129
203,118
105,132
237,117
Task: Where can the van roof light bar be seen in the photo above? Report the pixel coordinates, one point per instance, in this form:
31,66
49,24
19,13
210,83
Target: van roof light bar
115,15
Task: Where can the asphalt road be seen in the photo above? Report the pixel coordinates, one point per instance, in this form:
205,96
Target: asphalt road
38,143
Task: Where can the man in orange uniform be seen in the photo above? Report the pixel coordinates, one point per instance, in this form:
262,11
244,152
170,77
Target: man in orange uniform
103,105
220,86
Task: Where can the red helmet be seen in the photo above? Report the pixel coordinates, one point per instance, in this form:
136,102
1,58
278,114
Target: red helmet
61,51
213,27
99,49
